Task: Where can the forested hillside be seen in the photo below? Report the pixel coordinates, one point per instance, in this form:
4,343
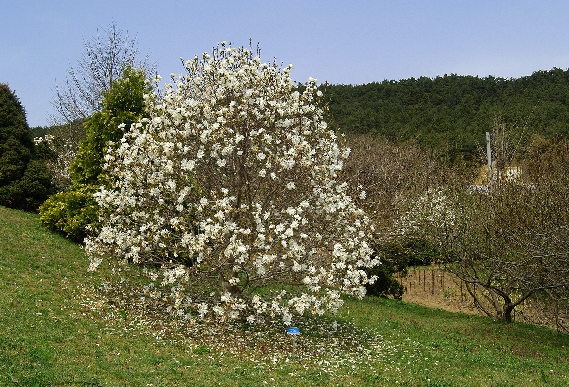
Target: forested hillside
453,112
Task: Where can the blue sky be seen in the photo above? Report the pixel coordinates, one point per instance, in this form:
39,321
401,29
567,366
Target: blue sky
342,42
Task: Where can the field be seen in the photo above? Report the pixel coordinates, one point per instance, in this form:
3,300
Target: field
63,326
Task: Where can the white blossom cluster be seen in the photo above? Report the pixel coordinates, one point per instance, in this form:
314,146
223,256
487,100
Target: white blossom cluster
432,209
232,184
48,139
59,166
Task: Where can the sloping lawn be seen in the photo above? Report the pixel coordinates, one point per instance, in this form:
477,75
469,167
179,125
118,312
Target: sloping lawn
63,326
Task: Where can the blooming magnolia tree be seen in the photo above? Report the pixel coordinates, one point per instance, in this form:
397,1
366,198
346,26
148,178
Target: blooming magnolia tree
231,185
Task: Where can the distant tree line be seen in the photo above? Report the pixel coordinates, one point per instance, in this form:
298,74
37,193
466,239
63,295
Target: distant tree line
451,113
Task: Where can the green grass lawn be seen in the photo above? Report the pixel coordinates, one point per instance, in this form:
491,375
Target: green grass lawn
63,326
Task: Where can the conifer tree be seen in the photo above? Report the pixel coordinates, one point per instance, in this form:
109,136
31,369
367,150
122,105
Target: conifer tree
72,212
24,180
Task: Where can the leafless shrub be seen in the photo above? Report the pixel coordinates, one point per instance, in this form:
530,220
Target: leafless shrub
388,174
101,64
512,243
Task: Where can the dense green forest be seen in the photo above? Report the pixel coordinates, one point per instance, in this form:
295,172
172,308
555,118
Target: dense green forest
449,113
453,112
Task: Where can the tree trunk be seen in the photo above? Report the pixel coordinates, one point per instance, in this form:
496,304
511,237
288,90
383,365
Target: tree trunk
507,312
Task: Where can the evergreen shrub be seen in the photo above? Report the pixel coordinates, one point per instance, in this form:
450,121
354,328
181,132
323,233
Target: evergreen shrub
25,180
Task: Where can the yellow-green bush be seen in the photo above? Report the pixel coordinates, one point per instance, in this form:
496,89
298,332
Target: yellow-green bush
71,212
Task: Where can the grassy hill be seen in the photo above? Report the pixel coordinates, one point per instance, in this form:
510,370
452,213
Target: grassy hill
63,326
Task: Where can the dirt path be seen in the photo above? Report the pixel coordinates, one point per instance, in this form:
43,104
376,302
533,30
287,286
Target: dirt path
445,294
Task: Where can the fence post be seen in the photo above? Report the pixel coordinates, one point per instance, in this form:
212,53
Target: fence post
433,282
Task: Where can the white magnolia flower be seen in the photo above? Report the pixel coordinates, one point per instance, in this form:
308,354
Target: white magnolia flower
188,165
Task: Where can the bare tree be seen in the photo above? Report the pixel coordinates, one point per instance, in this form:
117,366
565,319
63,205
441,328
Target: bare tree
63,141
386,173
99,66
510,244
383,178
